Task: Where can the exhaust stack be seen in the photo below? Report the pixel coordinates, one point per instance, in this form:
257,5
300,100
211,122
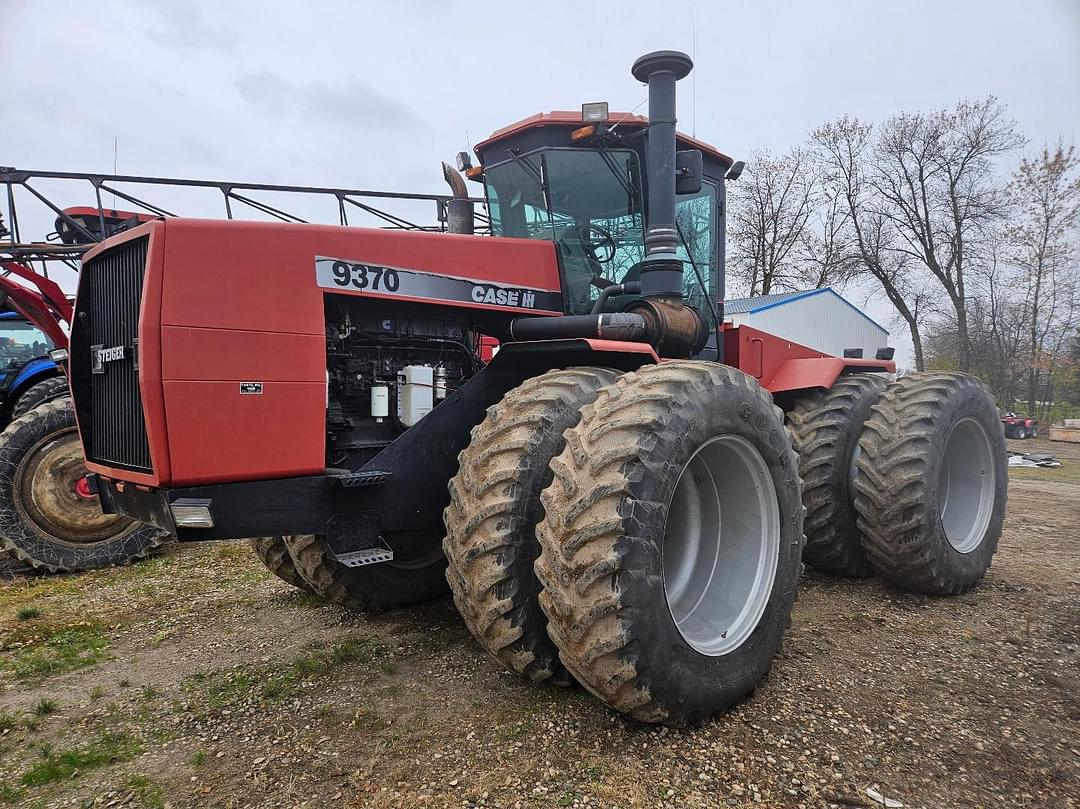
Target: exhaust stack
662,273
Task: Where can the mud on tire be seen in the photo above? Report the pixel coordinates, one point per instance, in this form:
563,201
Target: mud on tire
494,507
371,588
825,427
44,523
274,553
616,502
932,482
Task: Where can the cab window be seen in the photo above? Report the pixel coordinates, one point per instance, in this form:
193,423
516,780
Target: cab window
21,342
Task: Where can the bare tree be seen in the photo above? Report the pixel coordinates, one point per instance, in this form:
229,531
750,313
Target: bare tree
771,206
827,255
844,149
934,174
1046,196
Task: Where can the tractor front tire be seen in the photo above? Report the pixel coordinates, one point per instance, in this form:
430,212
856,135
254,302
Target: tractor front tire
370,588
44,521
932,483
825,427
494,507
274,553
46,390
671,541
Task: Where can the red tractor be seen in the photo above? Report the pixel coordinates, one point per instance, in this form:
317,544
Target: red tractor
619,497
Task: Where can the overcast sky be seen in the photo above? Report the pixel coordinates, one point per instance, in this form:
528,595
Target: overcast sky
374,95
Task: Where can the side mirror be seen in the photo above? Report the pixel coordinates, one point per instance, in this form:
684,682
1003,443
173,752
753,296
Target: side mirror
688,170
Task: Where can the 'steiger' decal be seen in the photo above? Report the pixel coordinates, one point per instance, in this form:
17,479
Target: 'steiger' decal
397,282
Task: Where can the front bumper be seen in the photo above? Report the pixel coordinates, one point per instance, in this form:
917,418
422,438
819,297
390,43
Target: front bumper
303,505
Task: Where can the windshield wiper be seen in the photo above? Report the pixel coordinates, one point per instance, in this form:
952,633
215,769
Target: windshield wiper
529,167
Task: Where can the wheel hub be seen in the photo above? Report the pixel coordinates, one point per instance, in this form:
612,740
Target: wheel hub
53,496
721,545
966,484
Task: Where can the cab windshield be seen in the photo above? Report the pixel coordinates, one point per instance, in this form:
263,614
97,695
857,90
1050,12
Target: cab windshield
590,204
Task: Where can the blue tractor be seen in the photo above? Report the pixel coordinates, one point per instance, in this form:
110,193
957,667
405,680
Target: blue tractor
29,376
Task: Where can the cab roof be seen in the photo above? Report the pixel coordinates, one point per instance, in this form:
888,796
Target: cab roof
571,119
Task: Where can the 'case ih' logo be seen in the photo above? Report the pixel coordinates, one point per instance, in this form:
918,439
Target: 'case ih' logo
502,296
101,355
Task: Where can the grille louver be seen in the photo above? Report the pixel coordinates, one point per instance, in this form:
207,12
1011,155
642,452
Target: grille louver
117,427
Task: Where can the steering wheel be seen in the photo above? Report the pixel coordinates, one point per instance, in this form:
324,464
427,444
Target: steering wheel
592,245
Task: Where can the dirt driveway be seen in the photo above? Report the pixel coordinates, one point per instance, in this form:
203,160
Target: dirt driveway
197,679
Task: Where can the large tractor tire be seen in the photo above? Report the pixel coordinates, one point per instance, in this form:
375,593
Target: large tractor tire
370,588
932,483
825,427
46,390
671,541
48,519
274,553
494,507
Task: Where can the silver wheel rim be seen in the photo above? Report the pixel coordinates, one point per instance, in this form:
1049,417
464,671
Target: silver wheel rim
721,545
966,484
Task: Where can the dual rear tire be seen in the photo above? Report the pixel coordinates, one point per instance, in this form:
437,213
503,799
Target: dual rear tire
907,480
932,483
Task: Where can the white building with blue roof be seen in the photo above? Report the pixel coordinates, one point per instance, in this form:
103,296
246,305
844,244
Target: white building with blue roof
820,319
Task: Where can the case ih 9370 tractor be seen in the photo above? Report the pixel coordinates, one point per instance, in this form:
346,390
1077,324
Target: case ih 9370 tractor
614,499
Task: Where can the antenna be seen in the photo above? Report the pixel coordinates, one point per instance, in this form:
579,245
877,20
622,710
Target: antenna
693,79
114,151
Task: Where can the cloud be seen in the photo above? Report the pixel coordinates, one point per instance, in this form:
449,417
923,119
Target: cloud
350,101
184,28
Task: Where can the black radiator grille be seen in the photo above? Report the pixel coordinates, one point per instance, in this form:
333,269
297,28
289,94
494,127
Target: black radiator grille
117,426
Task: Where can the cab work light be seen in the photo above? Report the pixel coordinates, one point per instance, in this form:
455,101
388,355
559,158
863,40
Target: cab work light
595,112
190,512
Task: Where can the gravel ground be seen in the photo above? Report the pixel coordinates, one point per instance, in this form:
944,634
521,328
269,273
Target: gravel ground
196,679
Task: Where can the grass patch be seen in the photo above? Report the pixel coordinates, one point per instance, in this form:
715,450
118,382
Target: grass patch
55,650
55,766
45,706
233,551
7,721
198,758
9,794
271,684
97,692
27,613
147,793
228,689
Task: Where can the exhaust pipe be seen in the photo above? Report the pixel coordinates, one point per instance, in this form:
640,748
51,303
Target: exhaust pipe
459,210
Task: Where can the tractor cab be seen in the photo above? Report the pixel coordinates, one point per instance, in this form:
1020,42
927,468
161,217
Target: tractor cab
578,180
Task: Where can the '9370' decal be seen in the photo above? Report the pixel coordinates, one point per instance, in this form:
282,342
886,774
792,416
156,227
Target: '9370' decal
366,276
349,276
